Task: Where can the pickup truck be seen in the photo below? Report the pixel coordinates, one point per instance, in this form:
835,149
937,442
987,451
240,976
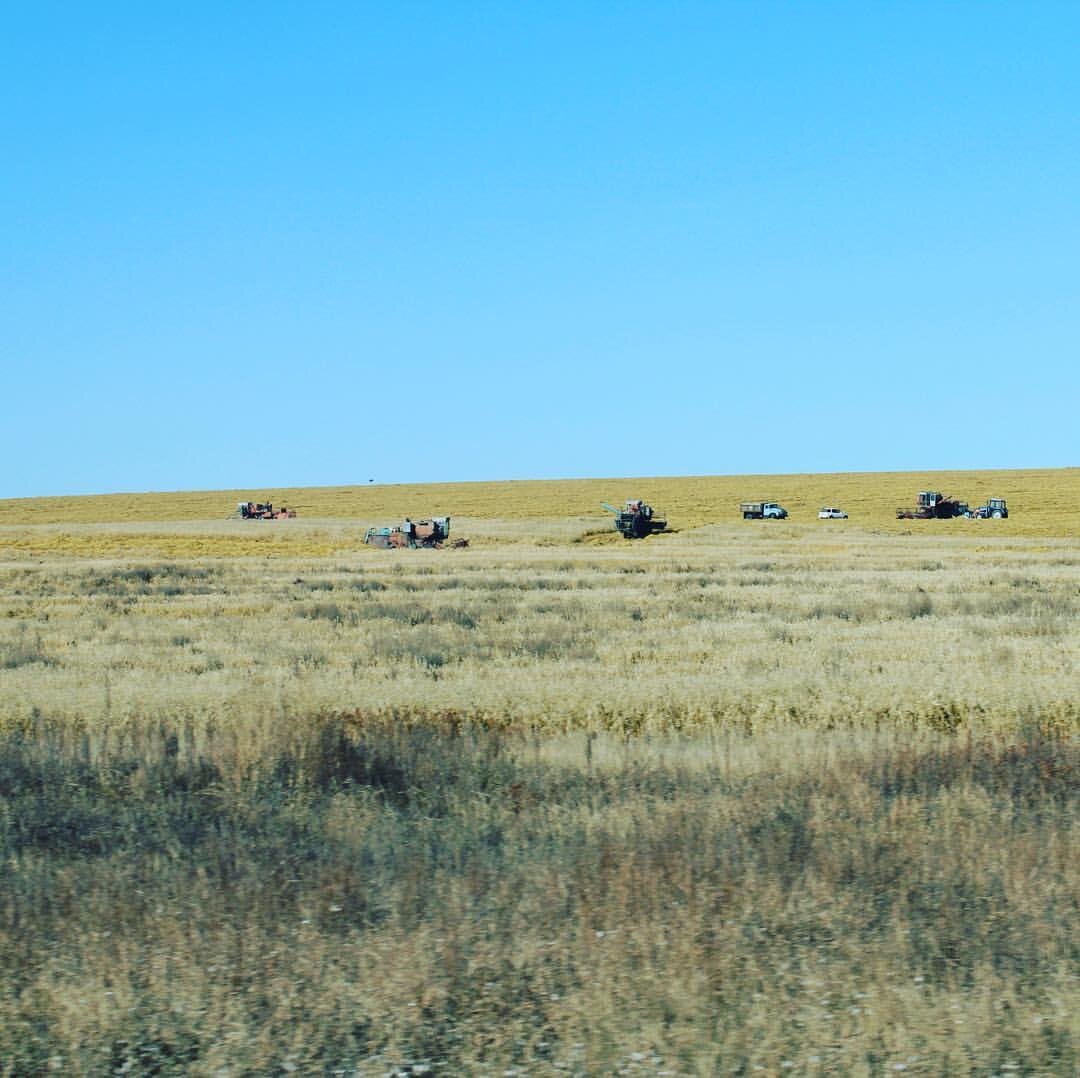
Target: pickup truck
762,511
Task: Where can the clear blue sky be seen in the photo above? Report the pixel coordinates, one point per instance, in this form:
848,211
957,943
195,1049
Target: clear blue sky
259,245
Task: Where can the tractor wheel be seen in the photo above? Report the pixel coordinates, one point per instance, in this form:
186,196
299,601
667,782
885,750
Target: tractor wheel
996,514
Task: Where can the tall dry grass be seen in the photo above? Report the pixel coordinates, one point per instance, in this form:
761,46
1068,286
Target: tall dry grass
425,899
718,627
740,800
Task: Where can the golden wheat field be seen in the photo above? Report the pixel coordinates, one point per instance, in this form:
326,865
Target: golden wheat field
1043,503
752,797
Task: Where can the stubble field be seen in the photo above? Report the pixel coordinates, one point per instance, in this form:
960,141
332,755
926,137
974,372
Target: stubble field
749,798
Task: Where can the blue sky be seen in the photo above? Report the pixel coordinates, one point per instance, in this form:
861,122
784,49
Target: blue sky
263,245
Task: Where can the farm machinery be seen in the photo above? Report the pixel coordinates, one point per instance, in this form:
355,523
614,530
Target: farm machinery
433,533
263,511
933,505
636,519
762,511
995,509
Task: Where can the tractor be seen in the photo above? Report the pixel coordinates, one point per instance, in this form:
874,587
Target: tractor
995,509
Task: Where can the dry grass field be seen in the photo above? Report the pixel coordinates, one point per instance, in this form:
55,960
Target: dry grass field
754,797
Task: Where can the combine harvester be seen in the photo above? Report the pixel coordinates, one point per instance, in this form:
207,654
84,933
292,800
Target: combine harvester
433,534
263,511
933,505
636,519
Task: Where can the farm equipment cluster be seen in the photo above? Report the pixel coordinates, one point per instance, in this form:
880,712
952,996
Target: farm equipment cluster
637,519
933,505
